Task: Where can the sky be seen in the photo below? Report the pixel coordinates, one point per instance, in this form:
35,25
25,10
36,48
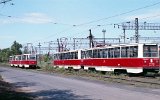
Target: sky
41,21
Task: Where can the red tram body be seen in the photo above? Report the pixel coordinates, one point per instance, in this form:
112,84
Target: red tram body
24,60
133,58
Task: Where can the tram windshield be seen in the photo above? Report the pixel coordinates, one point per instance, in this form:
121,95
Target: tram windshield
150,51
32,57
10,58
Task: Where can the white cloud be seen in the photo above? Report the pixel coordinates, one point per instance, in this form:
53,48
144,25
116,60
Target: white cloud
6,37
36,18
31,18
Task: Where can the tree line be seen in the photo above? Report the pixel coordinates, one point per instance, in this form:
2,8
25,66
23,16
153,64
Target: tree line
15,49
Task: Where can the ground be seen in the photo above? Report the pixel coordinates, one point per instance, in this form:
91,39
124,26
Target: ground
8,92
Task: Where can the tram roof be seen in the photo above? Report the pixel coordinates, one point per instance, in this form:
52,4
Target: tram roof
109,46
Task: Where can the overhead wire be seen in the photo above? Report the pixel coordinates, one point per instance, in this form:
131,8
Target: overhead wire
116,15
150,17
139,19
86,23
4,2
96,26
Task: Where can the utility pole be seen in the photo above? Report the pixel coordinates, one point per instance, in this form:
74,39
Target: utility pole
124,36
104,31
91,45
74,44
58,45
136,31
49,47
39,45
90,39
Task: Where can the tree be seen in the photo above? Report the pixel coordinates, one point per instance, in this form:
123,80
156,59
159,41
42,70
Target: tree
16,48
4,54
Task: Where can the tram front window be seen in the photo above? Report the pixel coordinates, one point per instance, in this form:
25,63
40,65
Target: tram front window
32,57
150,51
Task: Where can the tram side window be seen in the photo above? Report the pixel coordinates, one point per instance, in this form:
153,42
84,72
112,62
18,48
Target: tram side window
95,54
70,55
105,53
55,56
110,53
67,55
10,58
86,53
62,56
19,58
98,53
83,54
89,54
134,51
101,53
59,56
117,52
23,57
150,50
76,55
124,52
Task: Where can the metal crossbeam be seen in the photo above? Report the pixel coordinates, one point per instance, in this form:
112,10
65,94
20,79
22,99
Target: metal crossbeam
146,38
138,26
141,26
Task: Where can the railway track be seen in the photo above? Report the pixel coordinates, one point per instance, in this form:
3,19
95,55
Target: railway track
137,81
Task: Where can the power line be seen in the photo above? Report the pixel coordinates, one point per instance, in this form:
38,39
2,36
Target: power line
95,26
4,1
150,17
119,14
101,19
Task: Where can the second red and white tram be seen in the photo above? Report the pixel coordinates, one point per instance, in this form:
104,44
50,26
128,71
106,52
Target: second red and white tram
132,58
24,60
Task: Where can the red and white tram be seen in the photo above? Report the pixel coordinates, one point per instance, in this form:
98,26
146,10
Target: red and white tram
132,58
24,60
